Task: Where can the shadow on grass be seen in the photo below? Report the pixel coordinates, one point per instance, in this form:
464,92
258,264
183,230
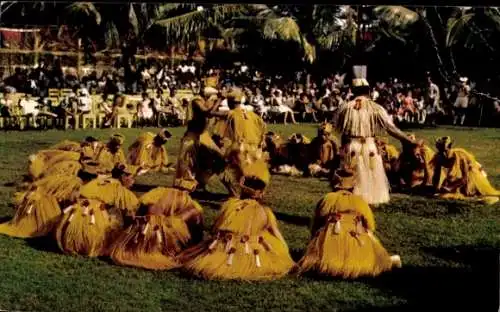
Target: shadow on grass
209,197
46,244
467,287
142,188
292,219
430,207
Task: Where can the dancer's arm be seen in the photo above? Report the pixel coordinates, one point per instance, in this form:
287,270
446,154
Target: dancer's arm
392,129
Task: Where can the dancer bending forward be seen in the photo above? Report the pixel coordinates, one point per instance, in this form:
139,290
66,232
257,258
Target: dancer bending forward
246,242
343,242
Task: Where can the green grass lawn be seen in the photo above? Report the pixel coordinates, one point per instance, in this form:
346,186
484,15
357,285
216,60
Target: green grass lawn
447,248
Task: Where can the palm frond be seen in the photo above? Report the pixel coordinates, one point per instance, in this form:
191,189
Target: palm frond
232,32
455,26
283,28
309,51
182,27
169,7
396,16
111,36
191,24
133,20
392,33
84,8
494,15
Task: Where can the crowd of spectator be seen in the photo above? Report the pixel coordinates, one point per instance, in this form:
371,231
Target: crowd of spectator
152,90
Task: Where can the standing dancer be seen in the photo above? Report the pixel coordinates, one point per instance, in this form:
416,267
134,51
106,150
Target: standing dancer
359,121
199,156
242,136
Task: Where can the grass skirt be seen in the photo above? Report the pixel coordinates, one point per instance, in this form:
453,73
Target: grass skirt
65,188
46,159
108,160
465,179
248,162
414,162
113,193
36,215
370,179
152,242
143,152
246,245
199,159
67,145
87,228
343,243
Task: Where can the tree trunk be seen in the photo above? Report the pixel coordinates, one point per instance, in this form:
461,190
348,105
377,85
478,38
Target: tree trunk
79,57
435,45
450,48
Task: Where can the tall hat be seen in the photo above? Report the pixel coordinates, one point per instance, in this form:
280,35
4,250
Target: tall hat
359,76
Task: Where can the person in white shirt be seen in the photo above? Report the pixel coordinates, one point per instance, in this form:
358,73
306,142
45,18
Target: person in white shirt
30,108
84,101
462,101
375,94
259,102
144,109
433,95
192,68
278,106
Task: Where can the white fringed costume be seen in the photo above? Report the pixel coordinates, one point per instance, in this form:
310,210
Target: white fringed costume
359,122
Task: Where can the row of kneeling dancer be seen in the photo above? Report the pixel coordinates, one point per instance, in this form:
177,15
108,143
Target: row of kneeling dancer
87,206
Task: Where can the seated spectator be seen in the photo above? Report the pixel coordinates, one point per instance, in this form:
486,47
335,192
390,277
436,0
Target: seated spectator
6,105
84,101
278,106
258,101
145,111
30,107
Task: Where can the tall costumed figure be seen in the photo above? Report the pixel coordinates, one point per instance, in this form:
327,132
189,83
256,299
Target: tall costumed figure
359,122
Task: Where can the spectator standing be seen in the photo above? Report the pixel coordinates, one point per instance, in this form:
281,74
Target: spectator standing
462,101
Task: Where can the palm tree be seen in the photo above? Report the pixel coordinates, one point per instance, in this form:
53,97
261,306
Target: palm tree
308,25
472,28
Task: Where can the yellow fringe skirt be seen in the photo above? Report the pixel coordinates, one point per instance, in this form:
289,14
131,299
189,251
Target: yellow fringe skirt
247,245
231,256
65,188
46,159
113,193
146,154
343,243
87,228
152,242
67,145
36,215
341,251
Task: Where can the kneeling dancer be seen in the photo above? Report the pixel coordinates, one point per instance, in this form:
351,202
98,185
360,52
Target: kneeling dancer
343,242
